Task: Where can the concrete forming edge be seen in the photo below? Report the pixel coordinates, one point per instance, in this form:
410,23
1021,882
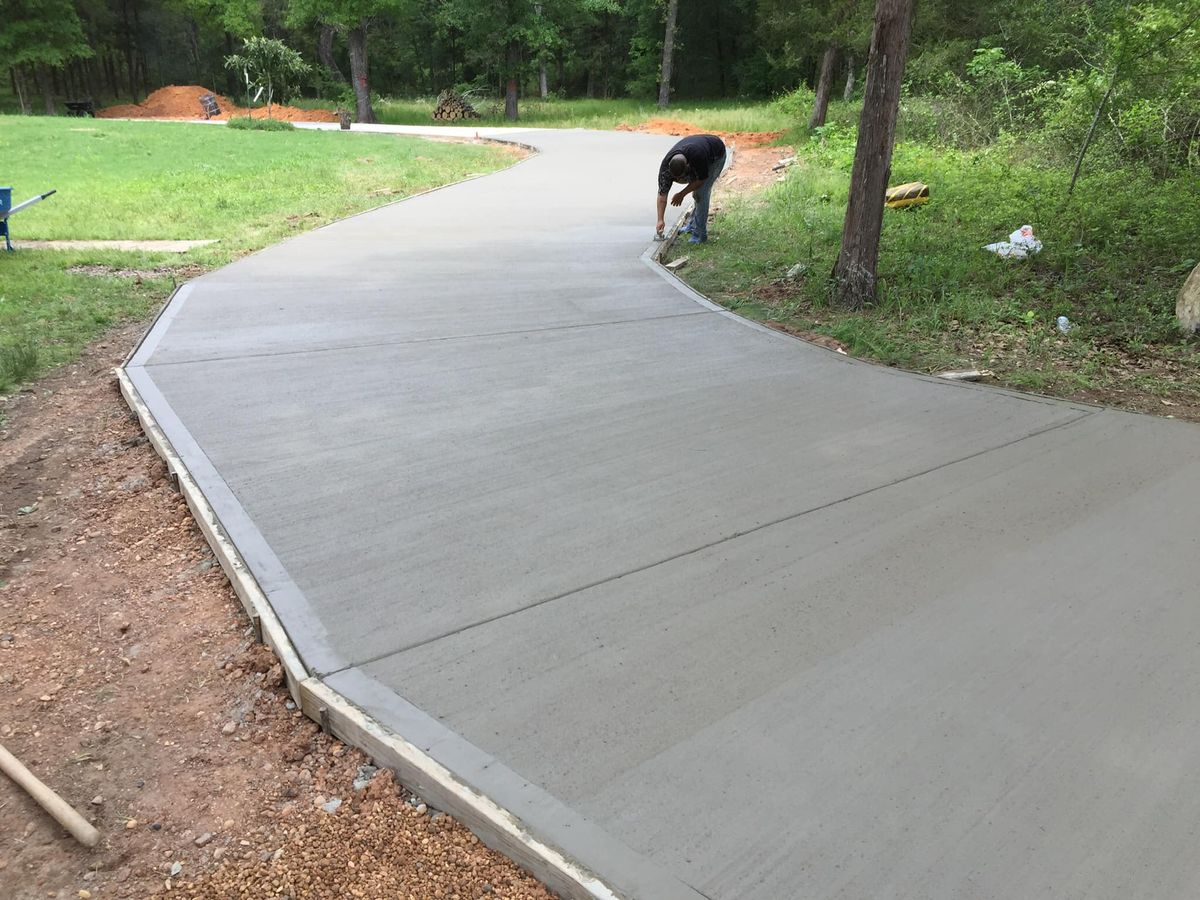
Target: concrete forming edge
254,601
493,824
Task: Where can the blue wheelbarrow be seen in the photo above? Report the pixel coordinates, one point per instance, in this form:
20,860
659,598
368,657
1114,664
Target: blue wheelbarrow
7,211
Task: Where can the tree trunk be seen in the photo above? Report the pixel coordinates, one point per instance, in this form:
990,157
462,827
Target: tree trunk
1087,141
513,61
543,87
720,53
18,78
325,52
110,74
356,38
1187,307
848,93
668,57
127,33
824,87
855,270
95,82
44,82
141,52
562,72
232,83
194,46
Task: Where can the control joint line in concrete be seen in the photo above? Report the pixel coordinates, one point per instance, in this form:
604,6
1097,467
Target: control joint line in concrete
708,546
431,340
1012,634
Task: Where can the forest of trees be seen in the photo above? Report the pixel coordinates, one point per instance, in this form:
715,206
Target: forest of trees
1037,55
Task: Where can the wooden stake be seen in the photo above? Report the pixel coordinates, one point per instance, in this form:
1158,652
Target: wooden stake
62,811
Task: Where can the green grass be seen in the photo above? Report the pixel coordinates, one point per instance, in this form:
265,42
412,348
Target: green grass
718,115
1114,260
145,181
245,123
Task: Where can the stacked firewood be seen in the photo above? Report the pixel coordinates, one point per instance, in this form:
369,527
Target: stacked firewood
453,105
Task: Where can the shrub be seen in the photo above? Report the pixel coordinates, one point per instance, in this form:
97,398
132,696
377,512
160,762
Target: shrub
245,123
796,103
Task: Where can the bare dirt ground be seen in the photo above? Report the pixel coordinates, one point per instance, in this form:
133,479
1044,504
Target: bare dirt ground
131,684
743,139
183,102
752,168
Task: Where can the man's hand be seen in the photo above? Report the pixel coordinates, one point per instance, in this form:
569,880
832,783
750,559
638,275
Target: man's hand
661,226
678,198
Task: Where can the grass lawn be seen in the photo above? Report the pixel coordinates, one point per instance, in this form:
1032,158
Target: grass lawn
718,115
151,180
1114,260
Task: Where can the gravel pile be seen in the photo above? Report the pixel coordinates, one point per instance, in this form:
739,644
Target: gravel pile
376,845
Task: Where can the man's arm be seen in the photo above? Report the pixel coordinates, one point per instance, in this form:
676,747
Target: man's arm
662,212
692,187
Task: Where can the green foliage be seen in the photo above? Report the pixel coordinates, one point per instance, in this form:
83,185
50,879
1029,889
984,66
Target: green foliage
937,67
1113,263
266,63
18,362
345,13
797,33
1149,54
246,123
41,32
796,104
995,94
237,17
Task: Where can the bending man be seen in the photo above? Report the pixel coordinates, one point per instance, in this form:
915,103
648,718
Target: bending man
696,162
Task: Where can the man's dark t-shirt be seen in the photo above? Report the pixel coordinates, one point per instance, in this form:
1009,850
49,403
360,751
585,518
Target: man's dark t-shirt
701,150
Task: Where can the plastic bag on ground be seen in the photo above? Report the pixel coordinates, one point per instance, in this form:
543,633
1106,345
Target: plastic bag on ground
1020,244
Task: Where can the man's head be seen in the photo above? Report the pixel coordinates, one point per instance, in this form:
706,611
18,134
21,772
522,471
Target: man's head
678,166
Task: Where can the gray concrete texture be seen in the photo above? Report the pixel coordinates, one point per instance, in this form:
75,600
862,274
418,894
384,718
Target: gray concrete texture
720,613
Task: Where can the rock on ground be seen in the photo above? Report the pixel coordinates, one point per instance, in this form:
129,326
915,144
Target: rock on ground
1187,310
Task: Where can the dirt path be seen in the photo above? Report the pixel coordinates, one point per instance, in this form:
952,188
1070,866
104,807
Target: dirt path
132,685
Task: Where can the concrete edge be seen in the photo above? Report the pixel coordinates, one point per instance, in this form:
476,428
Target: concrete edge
497,827
434,782
145,346
266,624
543,823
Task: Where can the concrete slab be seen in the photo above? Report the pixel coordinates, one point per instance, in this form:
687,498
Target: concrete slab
928,690
715,612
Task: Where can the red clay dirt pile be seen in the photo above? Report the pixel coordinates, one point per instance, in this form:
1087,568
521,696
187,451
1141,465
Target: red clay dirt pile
742,139
183,102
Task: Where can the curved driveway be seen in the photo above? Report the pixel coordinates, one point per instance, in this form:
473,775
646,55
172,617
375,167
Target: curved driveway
718,613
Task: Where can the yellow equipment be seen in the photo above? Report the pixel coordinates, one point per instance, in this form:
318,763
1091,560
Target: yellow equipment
912,194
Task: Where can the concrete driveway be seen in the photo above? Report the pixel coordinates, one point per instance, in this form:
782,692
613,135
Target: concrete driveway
714,612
